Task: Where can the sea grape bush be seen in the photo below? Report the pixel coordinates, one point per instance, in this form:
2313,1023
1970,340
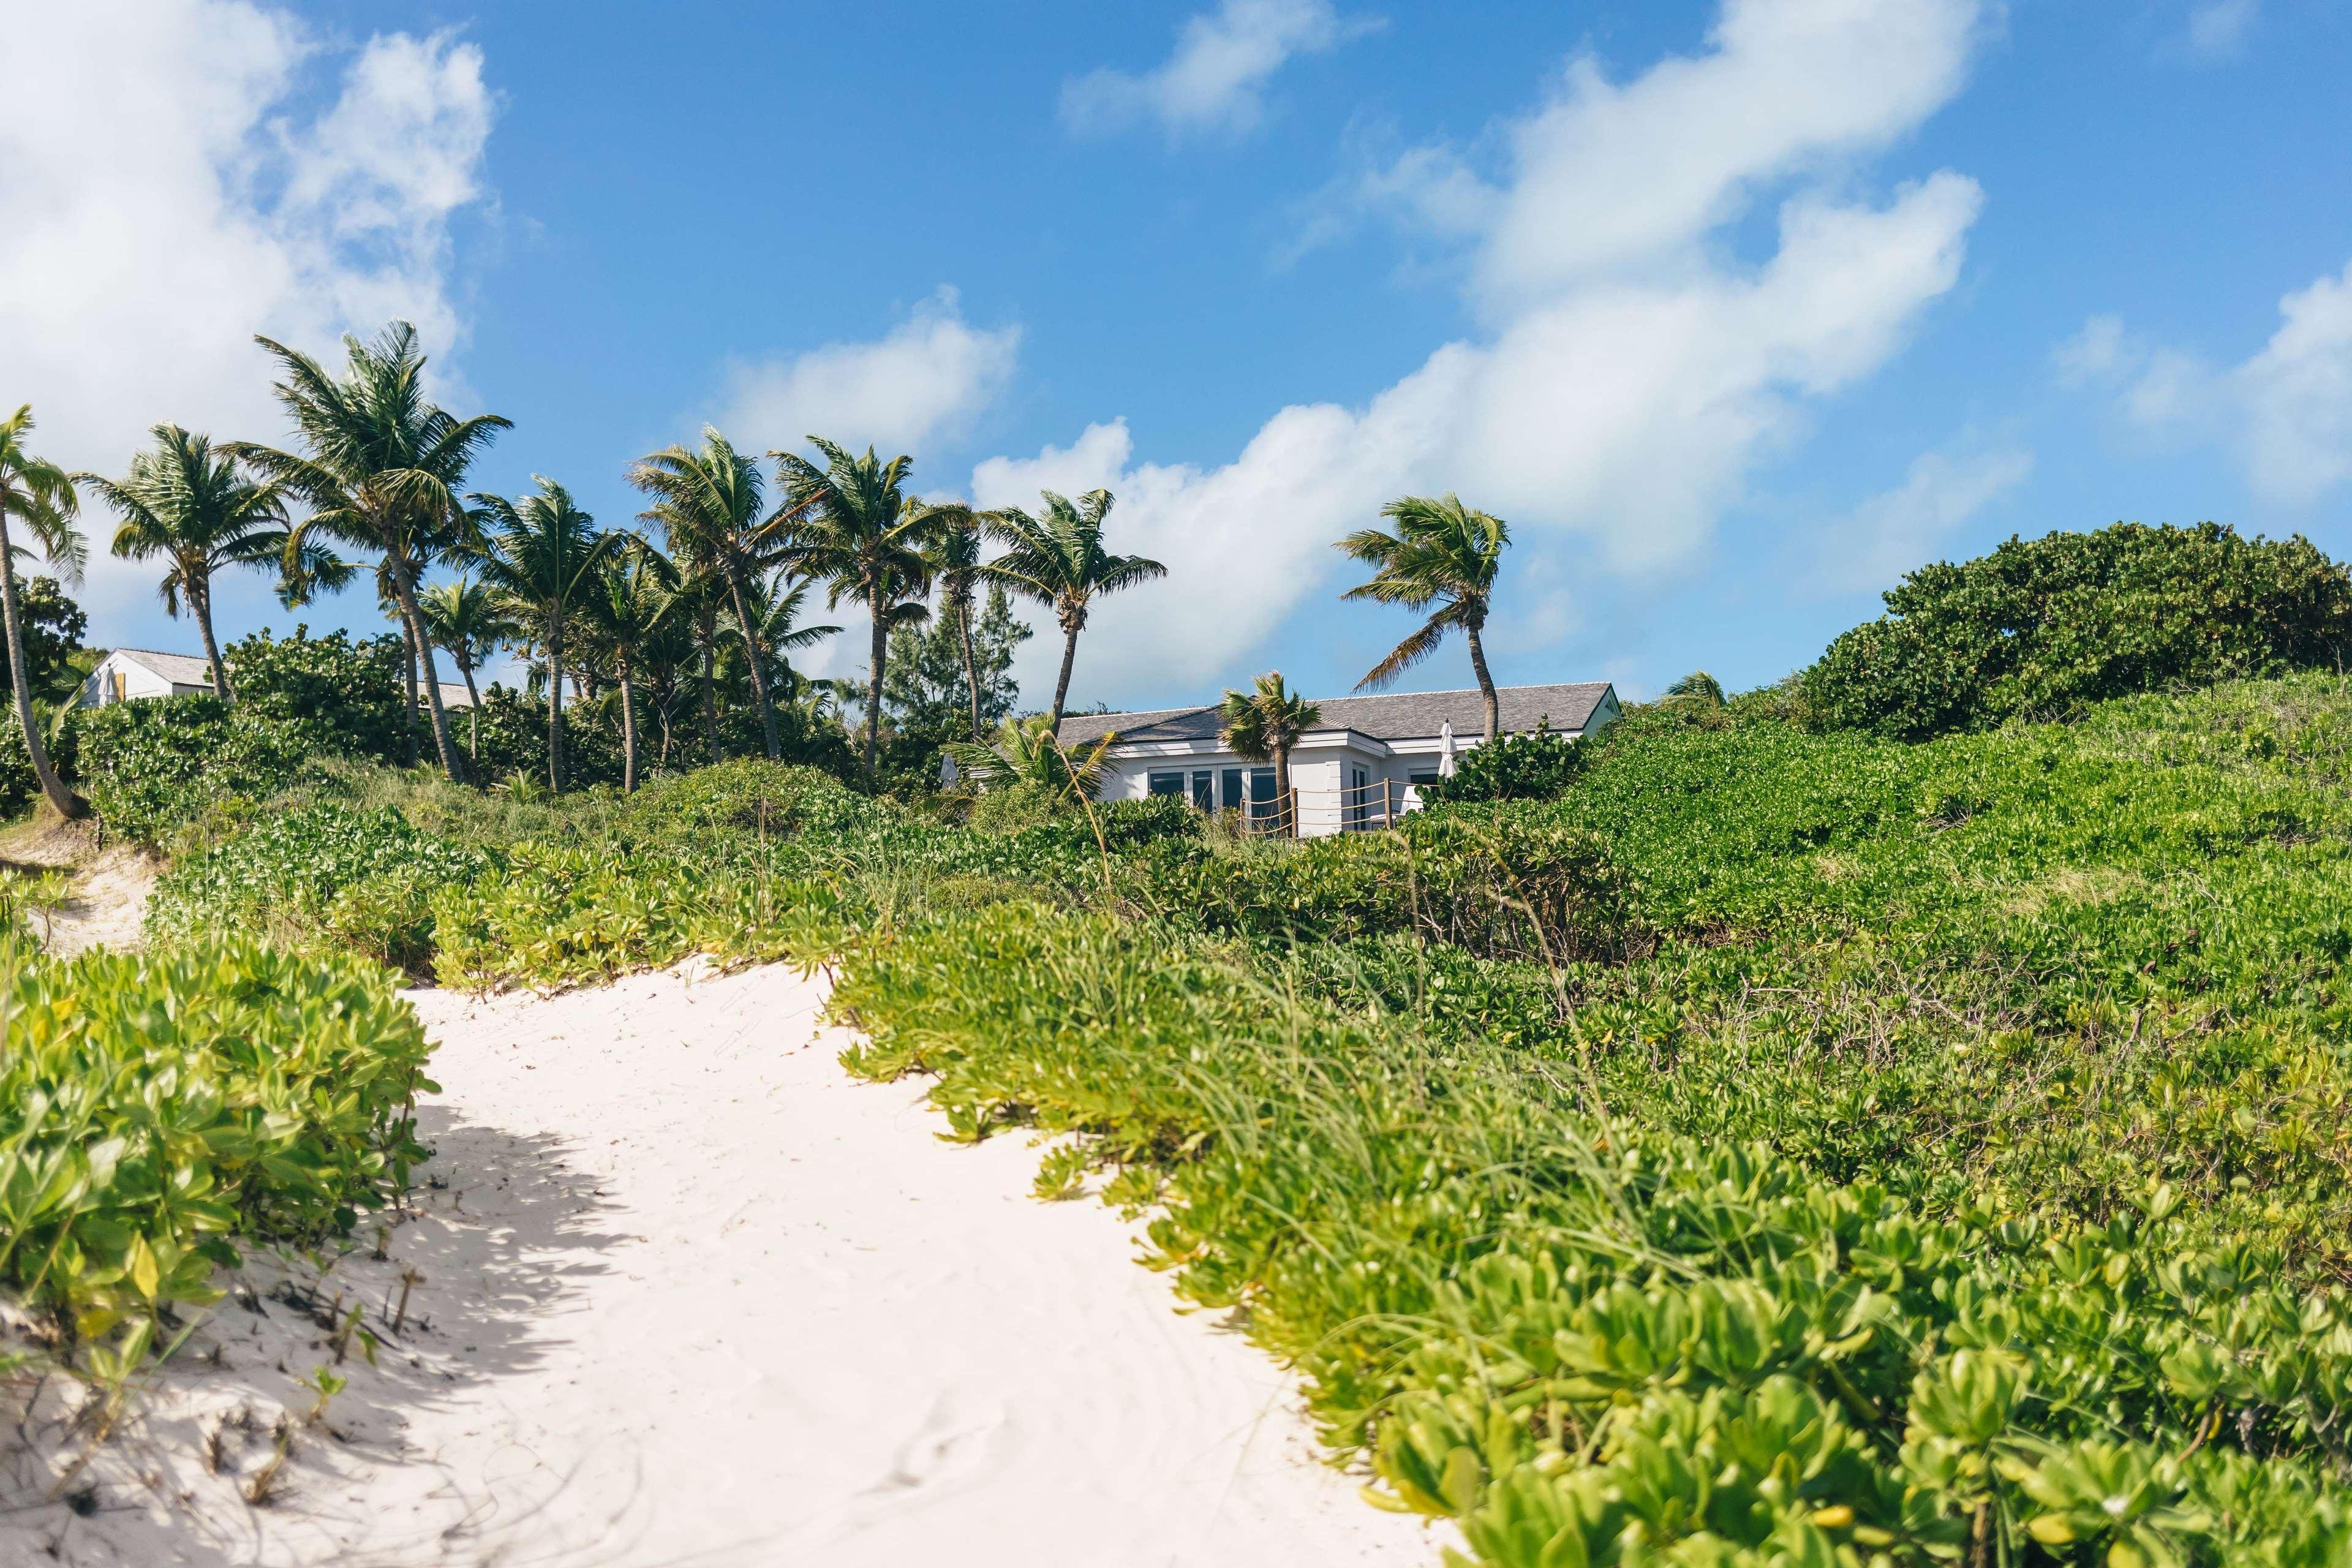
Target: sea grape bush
1535,765
153,768
156,1107
323,875
2040,628
349,692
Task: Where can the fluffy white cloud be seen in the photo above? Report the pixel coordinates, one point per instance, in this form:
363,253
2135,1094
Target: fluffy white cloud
1632,373
1216,81
2218,28
929,377
2285,412
168,195
1898,530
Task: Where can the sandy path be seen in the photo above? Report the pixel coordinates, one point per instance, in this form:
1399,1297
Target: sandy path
694,1295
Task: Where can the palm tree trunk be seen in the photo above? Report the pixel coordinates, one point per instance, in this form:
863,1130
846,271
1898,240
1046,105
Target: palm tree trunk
970,665
628,733
408,713
403,583
555,704
873,692
752,657
200,598
68,804
1485,682
1284,806
711,703
1062,686
473,714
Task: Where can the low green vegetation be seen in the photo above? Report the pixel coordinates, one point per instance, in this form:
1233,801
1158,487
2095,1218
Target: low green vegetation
154,1108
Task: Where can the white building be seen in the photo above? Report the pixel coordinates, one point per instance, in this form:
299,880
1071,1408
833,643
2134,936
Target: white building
138,674
1360,767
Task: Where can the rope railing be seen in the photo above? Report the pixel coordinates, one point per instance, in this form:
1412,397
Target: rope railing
1352,808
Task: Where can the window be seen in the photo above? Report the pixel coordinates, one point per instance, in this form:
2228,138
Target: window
1421,778
1231,796
1167,783
1204,789
1360,798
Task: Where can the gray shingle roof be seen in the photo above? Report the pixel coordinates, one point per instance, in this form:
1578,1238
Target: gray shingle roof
1398,716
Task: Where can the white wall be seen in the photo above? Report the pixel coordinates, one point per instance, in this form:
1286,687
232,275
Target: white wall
139,682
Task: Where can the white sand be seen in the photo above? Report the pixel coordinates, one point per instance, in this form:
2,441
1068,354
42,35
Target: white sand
694,1295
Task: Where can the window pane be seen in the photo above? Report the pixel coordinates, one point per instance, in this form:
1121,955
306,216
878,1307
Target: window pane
1204,790
1167,783
1231,795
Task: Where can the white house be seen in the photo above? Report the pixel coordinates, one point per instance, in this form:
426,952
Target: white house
1360,767
136,674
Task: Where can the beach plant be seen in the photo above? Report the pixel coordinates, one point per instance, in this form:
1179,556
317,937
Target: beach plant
37,495
856,529
1437,552
196,508
1058,560
381,470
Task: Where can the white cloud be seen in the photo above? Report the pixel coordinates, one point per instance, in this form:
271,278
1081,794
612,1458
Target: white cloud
2285,413
1632,374
1898,530
2218,28
168,195
1216,81
929,377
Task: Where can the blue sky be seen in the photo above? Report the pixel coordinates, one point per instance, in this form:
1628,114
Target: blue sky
1735,311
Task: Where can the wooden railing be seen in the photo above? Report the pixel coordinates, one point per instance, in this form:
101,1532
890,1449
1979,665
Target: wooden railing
1352,808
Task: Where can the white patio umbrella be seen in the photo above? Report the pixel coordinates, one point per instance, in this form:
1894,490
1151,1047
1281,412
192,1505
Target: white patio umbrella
1445,749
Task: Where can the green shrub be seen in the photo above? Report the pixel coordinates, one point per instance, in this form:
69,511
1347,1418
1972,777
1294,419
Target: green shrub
1497,883
349,694
155,1106
1533,765
1591,1343
2038,629
154,767
52,626
324,876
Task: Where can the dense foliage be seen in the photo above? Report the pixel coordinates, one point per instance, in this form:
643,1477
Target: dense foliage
2038,629
152,1107
350,690
52,626
1535,764
153,768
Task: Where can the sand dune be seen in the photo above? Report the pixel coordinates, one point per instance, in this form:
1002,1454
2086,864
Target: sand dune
691,1295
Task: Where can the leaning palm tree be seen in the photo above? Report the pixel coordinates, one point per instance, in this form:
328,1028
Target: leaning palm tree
38,495
1262,725
709,502
468,620
1444,554
953,552
776,605
382,471
541,554
1060,561
860,535
1697,690
198,511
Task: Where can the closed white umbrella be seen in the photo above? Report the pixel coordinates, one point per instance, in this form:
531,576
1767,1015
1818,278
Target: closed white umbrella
1445,749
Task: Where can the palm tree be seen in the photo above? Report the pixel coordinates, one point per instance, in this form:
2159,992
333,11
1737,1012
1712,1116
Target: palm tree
1025,751
776,603
194,507
469,621
383,471
954,556
862,536
540,552
1265,723
708,503
1444,554
1061,562
626,605
1698,689
38,495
